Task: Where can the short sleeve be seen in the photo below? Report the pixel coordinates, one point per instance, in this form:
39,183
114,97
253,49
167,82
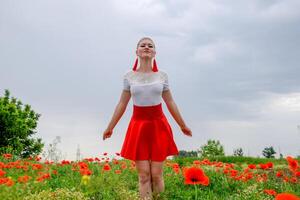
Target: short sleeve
126,85
165,81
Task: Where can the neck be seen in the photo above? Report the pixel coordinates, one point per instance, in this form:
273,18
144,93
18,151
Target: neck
145,65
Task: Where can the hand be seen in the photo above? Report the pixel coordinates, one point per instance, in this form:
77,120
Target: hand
186,131
107,133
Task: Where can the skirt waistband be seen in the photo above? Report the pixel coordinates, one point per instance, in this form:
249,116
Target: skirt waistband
147,112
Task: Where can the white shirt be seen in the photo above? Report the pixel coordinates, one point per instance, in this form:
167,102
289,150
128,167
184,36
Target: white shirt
146,88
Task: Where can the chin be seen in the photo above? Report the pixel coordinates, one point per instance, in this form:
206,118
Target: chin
146,57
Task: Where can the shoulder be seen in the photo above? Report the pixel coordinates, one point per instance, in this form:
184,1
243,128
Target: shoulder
128,74
163,74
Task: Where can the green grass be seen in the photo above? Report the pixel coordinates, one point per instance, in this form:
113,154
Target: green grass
108,185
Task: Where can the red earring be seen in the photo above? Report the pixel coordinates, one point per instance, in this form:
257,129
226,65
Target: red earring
155,69
135,64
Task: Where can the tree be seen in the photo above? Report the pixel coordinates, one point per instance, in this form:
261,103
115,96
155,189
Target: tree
211,149
17,127
183,153
269,152
238,152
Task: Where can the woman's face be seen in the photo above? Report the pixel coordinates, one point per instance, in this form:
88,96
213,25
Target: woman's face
146,49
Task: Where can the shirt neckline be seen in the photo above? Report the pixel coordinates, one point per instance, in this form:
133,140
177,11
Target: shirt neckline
144,72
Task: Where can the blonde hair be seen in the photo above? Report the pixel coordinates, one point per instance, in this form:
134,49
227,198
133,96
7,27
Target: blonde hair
145,38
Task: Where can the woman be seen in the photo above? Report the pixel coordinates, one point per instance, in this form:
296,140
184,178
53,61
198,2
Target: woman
149,138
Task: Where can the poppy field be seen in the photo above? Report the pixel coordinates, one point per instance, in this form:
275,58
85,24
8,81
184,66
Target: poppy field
112,177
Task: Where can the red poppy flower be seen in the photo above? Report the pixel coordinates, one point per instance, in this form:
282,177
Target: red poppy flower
293,164
279,174
65,162
10,182
263,166
270,192
233,173
293,180
286,196
38,158
106,167
23,179
195,175
196,162
252,166
2,173
7,156
85,172
270,165
123,165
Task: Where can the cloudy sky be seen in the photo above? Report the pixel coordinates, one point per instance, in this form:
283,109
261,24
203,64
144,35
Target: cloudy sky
233,68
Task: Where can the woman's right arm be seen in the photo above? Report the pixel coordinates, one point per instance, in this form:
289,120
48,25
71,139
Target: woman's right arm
119,111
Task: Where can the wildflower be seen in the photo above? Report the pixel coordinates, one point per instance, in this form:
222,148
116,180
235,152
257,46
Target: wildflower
286,196
23,179
97,159
7,156
233,173
10,182
37,166
82,165
118,171
252,166
123,165
85,172
43,177
279,174
194,176
293,164
65,162
115,161
293,180
206,162
106,167
3,180
270,165
85,179
89,159
38,158
2,173
270,192
196,162
176,168
263,166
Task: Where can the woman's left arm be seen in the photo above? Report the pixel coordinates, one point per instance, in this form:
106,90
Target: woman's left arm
173,109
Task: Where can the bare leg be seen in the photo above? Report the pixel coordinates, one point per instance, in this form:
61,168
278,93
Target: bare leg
157,177
144,173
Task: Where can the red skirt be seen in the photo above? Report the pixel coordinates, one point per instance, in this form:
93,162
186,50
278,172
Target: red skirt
149,135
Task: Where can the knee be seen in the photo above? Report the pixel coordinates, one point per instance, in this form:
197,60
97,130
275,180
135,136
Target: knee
144,178
157,177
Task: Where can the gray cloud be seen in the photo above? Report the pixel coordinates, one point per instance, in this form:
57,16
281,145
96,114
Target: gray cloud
227,63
